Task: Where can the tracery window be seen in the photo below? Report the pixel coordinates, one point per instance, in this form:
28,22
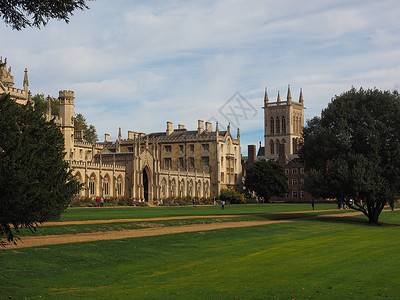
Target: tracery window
272,127
278,125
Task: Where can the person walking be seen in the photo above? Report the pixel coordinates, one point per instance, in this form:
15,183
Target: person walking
222,204
101,201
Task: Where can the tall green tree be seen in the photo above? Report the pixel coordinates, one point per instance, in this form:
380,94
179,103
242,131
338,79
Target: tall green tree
36,183
89,131
41,104
267,179
22,13
352,152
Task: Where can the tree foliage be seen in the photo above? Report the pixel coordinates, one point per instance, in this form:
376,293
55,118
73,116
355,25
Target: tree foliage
22,13
41,104
35,182
267,179
89,131
232,196
353,151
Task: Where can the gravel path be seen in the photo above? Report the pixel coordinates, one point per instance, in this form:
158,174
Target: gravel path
34,241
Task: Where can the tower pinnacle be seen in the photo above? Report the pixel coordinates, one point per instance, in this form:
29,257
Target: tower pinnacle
26,82
266,96
289,95
301,100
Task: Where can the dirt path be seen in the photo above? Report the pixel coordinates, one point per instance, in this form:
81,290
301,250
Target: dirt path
35,241
171,218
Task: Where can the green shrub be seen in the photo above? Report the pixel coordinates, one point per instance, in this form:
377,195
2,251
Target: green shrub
232,197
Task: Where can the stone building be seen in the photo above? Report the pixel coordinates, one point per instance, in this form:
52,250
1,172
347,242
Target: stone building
283,127
144,167
7,84
283,124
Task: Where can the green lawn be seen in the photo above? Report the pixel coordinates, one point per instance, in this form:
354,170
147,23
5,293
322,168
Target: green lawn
336,258
124,212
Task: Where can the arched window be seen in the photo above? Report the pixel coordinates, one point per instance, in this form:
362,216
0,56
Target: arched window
206,190
119,186
278,125
173,186
92,186
106,186
271,147
164,187
198,189
272,129
283,124
181,188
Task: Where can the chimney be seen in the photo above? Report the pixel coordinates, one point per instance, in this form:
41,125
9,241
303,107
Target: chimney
107,137
200,128
169,128
208,127
251,155
180,126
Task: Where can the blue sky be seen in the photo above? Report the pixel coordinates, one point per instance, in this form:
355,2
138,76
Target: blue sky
138,64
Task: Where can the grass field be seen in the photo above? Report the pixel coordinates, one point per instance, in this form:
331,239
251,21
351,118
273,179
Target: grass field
333,258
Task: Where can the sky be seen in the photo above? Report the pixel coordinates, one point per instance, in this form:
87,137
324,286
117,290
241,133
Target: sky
135,65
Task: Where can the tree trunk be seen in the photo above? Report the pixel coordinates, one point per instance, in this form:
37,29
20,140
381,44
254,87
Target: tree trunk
373,218
374,213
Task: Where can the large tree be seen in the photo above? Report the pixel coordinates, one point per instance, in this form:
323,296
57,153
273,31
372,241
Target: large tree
89,131
35,182
267,179
41,104
22,13
352,152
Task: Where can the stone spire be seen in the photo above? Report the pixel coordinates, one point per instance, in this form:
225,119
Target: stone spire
26,83
48,113
266,96
301,100
279,98
289,95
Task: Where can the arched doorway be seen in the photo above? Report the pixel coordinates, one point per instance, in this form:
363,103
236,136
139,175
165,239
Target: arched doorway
145,185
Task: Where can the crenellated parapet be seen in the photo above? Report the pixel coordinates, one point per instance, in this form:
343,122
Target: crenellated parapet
66,97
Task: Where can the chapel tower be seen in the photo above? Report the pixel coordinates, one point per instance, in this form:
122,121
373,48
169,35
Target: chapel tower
67,120
283,124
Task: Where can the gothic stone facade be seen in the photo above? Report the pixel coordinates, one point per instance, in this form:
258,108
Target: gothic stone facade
283,124
144,167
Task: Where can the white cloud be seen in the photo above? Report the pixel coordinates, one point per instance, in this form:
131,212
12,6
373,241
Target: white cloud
136,65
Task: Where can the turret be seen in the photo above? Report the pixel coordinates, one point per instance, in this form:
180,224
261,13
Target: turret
266,100
301,100
289,95
26,83
279,98
67,99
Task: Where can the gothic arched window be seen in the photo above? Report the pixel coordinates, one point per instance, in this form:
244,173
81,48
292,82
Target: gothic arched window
283,124
278,125
272,129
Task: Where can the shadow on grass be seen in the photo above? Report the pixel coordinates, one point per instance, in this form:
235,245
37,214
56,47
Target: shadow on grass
354,220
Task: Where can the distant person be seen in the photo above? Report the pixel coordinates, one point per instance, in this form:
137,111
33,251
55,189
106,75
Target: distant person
101,202
222,204
194,202
97,201
215,202
312,203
